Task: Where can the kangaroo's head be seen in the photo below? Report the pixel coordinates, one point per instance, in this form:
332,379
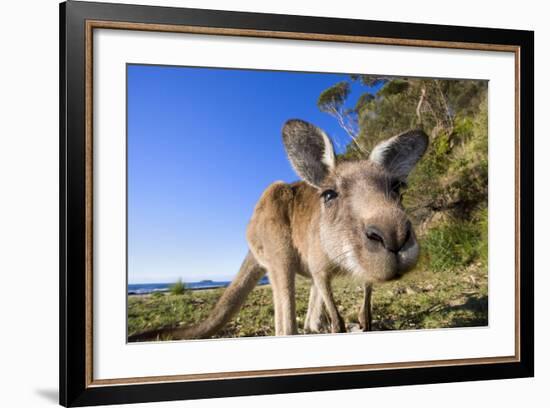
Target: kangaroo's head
363,227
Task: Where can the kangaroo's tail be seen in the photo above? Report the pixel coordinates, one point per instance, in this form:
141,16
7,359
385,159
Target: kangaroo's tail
229,304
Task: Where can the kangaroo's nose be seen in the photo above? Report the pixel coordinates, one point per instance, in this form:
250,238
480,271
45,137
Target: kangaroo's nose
393,240
374,234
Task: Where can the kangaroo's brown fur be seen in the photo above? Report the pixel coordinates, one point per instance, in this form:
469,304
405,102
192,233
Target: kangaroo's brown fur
345,218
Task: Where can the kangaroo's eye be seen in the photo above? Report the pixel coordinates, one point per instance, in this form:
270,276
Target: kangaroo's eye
328,195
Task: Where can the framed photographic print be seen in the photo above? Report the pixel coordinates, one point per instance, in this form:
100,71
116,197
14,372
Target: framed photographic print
256,204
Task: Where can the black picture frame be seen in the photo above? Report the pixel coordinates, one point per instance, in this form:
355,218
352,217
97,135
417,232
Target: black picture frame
75,386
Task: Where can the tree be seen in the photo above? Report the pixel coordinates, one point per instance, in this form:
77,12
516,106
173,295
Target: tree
332,101
453,175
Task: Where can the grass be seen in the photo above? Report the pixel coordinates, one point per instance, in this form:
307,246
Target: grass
421,300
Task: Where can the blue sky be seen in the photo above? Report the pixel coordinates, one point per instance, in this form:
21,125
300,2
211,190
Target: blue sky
203,144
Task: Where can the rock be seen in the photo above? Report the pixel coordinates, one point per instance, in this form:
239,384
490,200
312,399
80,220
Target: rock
429,287
456,302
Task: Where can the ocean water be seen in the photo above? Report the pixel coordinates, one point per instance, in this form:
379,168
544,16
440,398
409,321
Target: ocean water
145,288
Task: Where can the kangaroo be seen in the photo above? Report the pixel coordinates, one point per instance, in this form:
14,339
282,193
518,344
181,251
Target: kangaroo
342,218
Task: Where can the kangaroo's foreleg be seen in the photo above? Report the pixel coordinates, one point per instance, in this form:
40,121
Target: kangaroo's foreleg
365,313
316,317
323,285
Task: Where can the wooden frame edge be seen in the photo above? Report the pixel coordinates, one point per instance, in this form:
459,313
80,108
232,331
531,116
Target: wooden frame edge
289,35
517,197
89,205
90,25
231,375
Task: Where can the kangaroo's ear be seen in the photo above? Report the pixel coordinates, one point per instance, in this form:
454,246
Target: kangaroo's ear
400,153
309,150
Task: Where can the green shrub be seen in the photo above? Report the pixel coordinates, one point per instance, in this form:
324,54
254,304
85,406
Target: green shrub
178,288
483,225
452,245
